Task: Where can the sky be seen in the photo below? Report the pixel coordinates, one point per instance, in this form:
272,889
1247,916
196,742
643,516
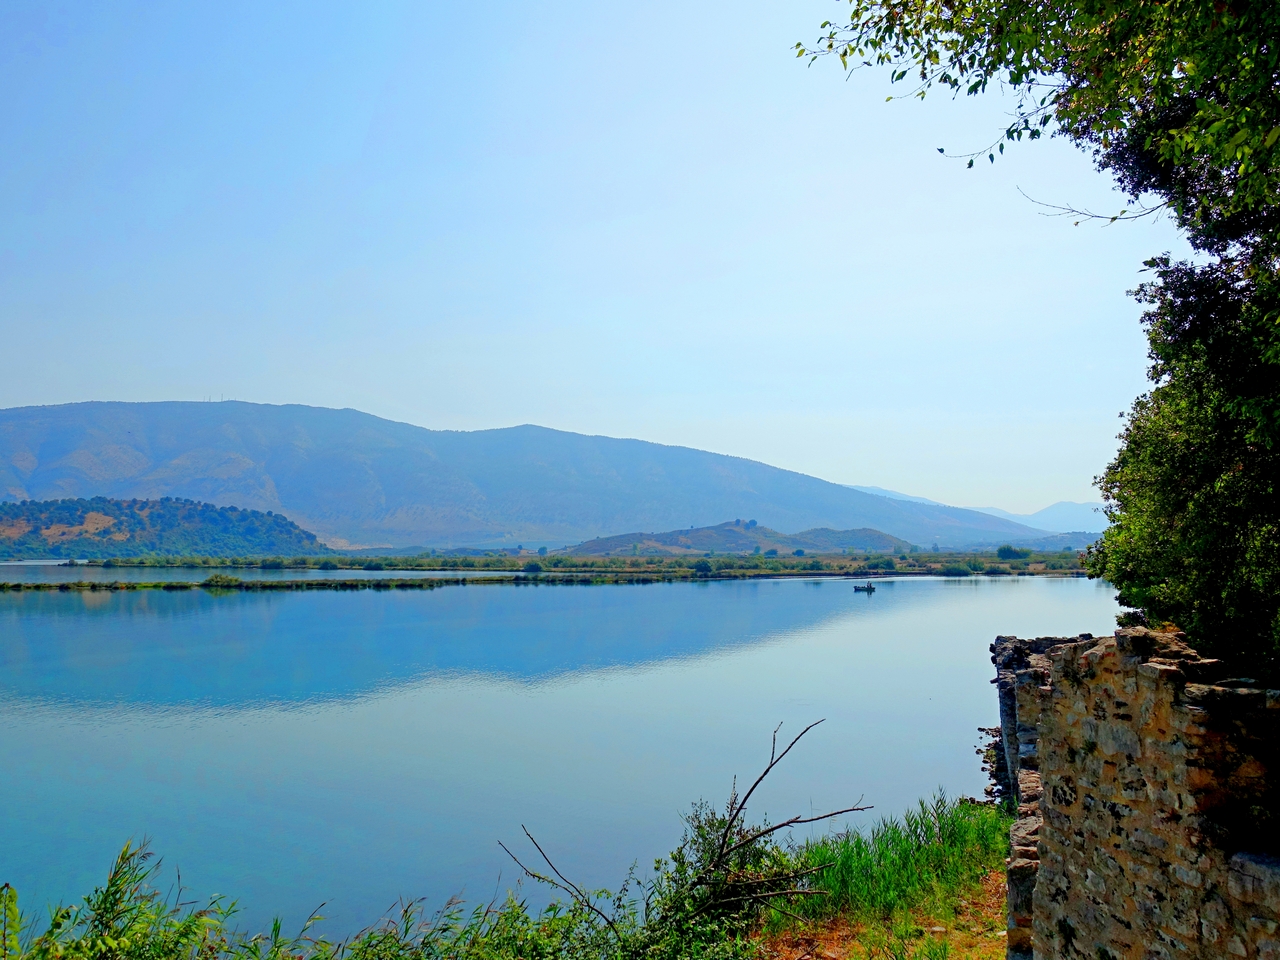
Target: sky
637,220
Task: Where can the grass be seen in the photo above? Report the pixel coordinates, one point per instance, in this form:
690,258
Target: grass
882,893
924,886
923,859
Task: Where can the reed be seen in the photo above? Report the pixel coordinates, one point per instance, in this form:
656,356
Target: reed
926,859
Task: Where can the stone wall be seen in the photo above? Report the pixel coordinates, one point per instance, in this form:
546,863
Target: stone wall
1022,678
1148,788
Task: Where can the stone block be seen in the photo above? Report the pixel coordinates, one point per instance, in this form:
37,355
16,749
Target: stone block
1255,879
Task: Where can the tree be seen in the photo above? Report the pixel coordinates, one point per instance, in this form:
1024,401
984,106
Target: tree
1176,97
1179,100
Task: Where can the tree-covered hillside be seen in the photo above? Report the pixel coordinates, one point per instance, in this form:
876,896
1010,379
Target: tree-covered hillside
100,527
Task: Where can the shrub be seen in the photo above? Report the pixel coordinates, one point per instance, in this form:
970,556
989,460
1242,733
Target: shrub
956,570
533,566
702,567
1009,552
881,563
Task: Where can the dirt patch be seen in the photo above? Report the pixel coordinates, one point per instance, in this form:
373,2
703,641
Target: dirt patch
12,531
93,523
974,930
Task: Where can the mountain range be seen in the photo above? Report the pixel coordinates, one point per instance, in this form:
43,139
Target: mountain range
361,481
1061,517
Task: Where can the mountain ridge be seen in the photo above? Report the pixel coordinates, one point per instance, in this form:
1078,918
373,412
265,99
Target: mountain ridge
356,479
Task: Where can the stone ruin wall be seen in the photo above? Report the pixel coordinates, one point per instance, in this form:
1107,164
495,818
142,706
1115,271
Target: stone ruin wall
1147,783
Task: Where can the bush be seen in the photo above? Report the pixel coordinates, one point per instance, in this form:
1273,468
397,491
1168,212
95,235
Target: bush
327,565
533,566
797,553
1009,552
976,565
702,567
956,570
881,563
375,565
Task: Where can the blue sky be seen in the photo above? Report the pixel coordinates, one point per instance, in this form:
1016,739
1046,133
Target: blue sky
636,220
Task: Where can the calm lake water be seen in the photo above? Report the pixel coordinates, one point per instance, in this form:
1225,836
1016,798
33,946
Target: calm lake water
292,749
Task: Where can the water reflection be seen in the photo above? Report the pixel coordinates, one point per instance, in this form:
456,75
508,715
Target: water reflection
194,647
288,750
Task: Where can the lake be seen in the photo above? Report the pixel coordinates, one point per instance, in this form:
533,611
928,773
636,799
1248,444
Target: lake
293,749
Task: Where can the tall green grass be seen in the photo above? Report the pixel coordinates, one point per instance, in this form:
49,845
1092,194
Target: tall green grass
927,856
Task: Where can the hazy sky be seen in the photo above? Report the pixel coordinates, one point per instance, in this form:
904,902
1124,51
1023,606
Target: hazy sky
640,220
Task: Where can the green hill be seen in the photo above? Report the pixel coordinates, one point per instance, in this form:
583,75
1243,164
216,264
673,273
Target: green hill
99,528
741,536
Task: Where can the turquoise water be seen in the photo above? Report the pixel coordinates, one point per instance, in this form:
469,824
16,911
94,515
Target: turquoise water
349,749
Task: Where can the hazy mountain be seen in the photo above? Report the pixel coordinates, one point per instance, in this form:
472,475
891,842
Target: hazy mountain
894,494
740,536
1062,517
100,528
358,479
1065,516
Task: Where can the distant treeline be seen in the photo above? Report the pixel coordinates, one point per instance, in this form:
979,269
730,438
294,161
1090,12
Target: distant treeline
1005,561
101,528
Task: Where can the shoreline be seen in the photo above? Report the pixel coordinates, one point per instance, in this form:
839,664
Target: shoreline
225,584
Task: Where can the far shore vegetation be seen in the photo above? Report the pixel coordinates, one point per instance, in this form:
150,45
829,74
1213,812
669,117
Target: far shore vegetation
218,573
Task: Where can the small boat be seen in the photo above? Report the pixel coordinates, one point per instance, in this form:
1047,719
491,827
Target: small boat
868,588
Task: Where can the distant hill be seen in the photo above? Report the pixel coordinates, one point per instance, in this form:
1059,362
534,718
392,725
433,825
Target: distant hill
1065,516
741,536
101,528
358,480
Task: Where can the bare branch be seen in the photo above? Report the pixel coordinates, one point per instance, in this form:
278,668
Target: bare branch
1061,211
794,821
775,758
564,883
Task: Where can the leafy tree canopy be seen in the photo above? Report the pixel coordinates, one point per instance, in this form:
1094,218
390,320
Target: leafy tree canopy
1176,97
